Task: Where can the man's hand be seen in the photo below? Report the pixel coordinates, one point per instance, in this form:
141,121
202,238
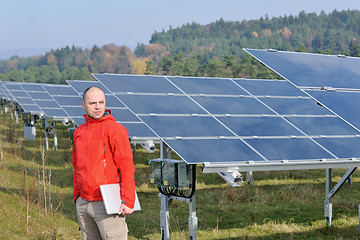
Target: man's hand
124,210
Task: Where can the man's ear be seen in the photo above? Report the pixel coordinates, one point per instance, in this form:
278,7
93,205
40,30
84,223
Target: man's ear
83,104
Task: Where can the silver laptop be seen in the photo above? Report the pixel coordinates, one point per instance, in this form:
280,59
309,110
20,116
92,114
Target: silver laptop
112,200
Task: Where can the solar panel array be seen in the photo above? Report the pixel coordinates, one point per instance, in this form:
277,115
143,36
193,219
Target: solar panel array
332,81
242,121
63,102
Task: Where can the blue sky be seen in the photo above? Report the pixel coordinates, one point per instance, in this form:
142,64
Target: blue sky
46,24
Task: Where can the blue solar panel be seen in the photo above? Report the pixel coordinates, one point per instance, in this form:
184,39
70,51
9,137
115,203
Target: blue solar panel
186,126
233,105
74,111
81,86
66,97
113,102
6,93
231,120
17,94
289,149
269,87
78,120
207,86
43,100
259,126
342,147
314,72
161,104
304,69
13,86
29,87
136,83
74,100
55,113
124,115
60,90
47,104
346,104
39,95
213,150
322,126
295,106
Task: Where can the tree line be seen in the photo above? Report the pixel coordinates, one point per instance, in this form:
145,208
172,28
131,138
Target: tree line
212,50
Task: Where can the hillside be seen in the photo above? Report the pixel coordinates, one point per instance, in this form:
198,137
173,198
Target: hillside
336,32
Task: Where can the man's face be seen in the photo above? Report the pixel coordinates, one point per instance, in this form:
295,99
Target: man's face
94,103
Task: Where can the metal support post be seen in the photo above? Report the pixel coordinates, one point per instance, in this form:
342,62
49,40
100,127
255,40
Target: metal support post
350,180
250,178
193,221
55,135
47,140
16,116
328,202
332,192
164,218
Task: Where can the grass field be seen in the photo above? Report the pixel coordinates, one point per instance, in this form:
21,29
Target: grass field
36,198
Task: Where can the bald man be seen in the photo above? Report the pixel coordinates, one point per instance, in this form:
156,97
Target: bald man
101,155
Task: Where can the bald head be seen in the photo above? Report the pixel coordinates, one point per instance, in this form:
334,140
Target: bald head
92,88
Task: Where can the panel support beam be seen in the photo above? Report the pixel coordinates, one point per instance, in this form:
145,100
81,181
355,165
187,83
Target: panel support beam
332,192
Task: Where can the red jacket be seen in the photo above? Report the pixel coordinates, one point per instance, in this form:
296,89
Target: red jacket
102,155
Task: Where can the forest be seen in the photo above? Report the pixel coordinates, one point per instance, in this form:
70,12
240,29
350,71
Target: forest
212,50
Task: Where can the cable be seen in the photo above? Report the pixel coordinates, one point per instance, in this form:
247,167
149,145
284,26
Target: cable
179,192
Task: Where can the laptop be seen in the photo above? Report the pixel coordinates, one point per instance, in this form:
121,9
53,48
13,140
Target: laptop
112,200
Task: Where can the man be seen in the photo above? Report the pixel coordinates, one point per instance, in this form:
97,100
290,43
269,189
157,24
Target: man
101,155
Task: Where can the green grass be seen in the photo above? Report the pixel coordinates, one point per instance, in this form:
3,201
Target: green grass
280,205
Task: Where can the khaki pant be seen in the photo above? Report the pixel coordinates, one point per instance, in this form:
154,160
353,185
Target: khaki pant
95,223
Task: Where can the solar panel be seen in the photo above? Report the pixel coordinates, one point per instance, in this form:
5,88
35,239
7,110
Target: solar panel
5,92
68,99
43,100
137,83
222,121
80,86
17,94
317,70
332,80
216,86
345,104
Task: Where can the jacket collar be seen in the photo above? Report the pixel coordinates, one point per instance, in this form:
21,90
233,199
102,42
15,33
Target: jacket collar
107,116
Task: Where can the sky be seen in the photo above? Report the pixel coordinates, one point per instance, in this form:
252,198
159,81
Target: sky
29,27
